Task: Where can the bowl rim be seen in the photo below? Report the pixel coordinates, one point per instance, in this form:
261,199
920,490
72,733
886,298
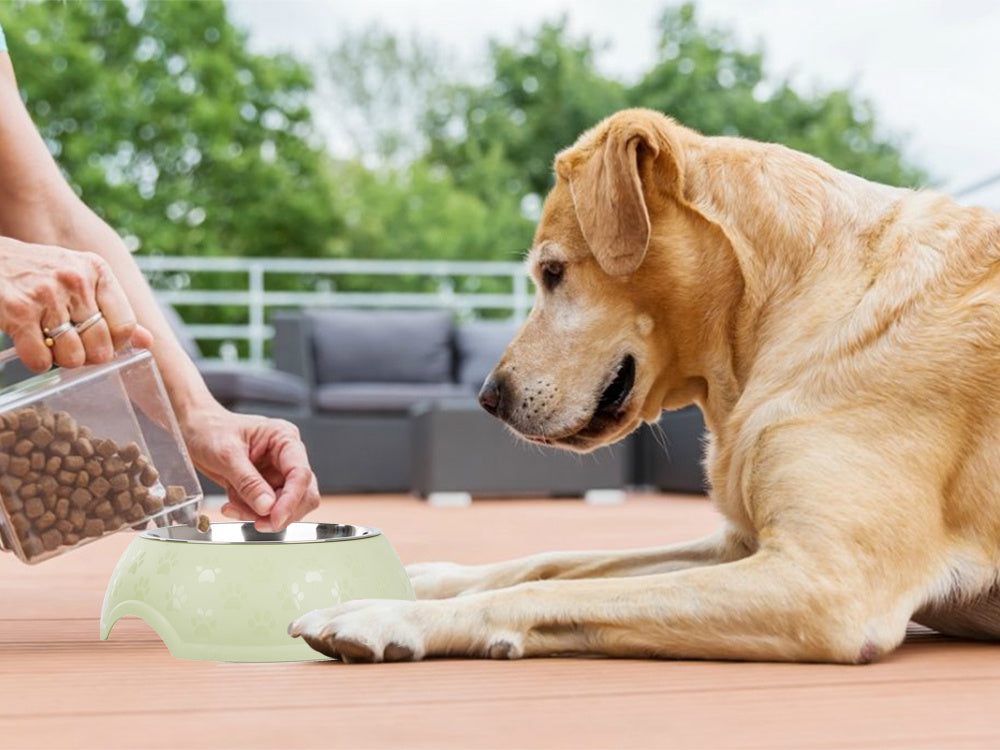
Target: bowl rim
321,533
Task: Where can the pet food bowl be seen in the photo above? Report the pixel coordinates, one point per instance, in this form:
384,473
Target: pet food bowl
229,594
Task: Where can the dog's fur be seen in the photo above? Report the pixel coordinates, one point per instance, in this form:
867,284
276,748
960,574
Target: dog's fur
843,341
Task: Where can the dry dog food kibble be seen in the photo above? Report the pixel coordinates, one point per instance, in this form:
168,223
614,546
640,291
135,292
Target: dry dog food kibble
60,483
203,523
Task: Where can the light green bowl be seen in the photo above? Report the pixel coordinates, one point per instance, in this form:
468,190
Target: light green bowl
229,594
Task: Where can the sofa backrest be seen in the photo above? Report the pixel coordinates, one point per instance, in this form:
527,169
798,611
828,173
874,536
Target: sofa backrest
479,345
381,346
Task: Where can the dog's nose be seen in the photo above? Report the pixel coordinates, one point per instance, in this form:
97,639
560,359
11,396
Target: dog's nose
491,395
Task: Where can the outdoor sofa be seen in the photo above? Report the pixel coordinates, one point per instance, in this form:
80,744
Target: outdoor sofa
386,402
392,408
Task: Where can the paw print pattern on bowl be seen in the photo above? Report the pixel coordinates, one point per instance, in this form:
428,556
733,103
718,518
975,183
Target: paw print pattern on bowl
292,597
314,576
262,620
115,584
233,596
176,598
141,588
261,570
206,574
168,562
203,622
137,561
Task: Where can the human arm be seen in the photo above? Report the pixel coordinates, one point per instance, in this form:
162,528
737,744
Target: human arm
261,462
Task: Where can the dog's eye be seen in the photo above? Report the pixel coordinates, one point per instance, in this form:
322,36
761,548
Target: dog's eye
552,273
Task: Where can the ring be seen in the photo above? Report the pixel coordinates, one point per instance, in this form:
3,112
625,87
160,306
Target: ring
59,330
92,320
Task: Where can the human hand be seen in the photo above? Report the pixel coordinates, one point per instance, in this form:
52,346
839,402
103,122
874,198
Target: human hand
261,463
46,286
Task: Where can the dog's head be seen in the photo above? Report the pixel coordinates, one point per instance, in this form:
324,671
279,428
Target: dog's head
616,263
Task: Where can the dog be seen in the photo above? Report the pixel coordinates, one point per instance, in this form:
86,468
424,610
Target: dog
842,339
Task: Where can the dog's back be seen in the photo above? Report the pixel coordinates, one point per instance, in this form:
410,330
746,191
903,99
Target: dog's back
890,328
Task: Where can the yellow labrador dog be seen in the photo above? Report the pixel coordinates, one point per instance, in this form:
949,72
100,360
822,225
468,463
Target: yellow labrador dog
843,341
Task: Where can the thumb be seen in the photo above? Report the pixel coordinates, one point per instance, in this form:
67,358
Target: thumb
244,479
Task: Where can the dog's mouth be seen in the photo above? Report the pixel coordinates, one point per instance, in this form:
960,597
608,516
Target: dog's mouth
613,397
610,411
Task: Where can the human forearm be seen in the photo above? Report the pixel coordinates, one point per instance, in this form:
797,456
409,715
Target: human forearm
261,463
38,206
87,232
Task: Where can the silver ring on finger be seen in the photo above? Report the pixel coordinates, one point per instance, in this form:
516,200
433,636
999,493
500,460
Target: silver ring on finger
93,320
53,334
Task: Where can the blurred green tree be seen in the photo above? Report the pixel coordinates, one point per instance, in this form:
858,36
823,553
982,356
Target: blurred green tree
172,130
395,201
187,142
176,134
489,142
380,85
706,81
418,212
543,91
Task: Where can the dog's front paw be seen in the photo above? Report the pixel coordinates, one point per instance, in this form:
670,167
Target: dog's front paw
443,580
365,630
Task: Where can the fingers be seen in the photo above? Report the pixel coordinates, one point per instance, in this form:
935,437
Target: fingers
30,345
300,493
77,283
298,497
97,343
238,511
294,499
73,287
272,476
141,338
119,320
266,473
249,486
25,312
85,303
67,349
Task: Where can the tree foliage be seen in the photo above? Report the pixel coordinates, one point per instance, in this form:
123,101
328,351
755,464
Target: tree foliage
493,139
168,126
702,78
188,142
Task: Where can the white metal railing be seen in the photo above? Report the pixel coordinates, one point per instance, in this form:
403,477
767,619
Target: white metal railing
171,277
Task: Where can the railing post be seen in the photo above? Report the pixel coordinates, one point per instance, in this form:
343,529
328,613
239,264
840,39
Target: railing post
521,301
256,312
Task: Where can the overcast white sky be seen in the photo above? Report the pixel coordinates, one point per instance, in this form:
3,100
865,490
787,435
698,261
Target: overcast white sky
932,67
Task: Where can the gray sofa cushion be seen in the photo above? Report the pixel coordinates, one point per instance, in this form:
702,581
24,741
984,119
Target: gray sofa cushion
231,384
480,344
383,397
382,346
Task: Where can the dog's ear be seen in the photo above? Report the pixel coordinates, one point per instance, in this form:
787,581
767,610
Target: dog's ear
608,194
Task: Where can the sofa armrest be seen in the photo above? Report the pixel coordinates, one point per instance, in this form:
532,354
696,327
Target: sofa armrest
292,347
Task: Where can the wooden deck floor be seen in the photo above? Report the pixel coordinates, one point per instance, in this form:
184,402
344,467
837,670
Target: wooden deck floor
62,687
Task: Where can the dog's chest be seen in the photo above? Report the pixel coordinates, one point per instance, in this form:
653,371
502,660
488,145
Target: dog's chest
731,455
724,468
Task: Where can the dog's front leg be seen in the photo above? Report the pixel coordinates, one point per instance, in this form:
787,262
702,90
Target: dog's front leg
764,607
444,580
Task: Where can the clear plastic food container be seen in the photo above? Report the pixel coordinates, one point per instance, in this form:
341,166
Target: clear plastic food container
87,452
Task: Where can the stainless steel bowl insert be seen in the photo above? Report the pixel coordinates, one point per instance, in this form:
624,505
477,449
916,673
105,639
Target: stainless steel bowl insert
245,533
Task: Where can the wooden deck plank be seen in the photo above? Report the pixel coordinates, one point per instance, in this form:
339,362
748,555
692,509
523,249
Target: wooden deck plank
62,687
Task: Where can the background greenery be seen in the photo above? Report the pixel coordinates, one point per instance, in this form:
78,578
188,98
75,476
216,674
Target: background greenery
189,143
